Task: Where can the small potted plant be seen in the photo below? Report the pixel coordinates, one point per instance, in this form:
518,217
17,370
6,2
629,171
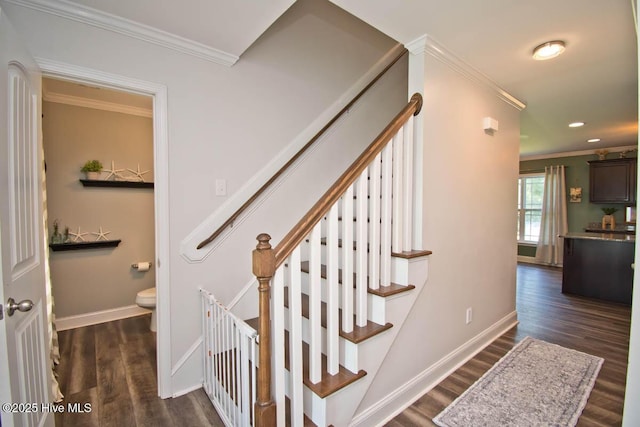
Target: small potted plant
608,218
92,169
56,237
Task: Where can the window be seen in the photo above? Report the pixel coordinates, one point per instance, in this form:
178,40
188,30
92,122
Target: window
530,189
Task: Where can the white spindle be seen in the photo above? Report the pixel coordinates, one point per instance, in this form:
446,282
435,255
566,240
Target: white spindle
207,360
333,289
295,339
361,249
397,192
385,214
223,365
407,209
215,349
244,381
235,372
374,223
254,358
347,260
315,307
278,344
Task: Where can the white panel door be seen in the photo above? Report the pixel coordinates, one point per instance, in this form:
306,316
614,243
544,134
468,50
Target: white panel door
25,369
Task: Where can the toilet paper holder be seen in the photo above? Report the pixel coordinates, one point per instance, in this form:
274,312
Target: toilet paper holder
135,266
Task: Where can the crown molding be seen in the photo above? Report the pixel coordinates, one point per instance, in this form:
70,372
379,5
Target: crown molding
107,21
60,98
611,150
427,45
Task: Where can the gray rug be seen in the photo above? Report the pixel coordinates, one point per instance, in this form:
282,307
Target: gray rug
535,384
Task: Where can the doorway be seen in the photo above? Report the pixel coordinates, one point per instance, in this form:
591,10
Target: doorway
158,94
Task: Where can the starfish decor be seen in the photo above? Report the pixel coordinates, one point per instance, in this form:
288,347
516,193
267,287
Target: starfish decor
100,234
113,172
137,174
78,237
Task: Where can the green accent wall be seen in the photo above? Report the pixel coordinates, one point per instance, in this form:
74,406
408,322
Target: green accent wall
579,215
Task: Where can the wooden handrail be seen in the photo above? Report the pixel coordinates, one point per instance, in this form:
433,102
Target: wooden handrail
291,161
316,213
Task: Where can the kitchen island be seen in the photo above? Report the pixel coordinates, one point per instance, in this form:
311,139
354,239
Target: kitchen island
599,265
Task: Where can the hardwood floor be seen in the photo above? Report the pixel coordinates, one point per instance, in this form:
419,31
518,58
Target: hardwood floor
112,366
591,326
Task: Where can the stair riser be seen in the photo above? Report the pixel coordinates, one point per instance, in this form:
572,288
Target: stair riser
348,350
375,303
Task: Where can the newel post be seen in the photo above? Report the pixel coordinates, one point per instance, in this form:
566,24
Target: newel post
264,267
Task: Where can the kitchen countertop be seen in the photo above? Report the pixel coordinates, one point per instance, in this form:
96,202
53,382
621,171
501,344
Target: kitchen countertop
601,236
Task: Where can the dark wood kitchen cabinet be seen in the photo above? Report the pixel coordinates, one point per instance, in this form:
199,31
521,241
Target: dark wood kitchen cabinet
599,268
612,181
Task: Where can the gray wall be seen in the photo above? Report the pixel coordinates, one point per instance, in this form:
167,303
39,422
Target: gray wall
86,281
222,123
468,222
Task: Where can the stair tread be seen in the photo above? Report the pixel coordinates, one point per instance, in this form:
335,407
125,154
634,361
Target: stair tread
359,333
405,254
382,291
329,383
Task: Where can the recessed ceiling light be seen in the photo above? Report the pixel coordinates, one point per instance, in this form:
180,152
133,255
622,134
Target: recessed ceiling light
576,124
548,50
593,140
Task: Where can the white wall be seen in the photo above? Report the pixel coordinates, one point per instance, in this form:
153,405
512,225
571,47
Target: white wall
632,394
469,196
223,122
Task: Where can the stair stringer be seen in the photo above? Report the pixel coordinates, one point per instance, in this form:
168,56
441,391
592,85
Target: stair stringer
339,408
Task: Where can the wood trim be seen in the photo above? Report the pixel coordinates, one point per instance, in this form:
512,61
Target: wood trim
229,222
315,214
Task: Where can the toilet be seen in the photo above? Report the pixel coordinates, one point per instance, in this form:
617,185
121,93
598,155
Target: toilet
146,298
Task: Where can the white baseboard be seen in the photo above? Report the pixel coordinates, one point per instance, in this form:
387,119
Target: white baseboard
527,259
187,390
87,319
401,398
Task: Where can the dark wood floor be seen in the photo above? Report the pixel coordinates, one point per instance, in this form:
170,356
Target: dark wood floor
112,366
594,327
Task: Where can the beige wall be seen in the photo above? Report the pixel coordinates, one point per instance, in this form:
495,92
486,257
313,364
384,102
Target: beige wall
86,281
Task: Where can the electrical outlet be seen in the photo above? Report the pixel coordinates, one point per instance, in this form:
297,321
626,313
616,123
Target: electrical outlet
469,317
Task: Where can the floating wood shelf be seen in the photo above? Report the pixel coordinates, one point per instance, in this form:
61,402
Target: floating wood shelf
118,184
75,246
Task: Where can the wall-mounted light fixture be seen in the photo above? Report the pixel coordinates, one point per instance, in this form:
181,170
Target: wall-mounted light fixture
548,50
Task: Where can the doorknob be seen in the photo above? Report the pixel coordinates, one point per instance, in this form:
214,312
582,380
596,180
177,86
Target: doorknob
23,306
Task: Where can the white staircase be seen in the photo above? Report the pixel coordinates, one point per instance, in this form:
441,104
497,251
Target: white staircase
336,290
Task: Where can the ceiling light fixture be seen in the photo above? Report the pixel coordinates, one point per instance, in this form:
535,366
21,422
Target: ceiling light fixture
576,124
593,140
548,50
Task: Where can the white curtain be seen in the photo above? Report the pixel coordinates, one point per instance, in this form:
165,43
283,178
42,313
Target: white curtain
554,217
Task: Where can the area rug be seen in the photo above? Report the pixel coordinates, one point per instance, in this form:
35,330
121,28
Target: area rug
535,384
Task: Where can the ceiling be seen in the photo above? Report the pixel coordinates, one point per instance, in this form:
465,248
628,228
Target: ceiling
594,81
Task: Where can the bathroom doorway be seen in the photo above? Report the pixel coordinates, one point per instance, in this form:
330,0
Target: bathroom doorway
101,223
155,98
